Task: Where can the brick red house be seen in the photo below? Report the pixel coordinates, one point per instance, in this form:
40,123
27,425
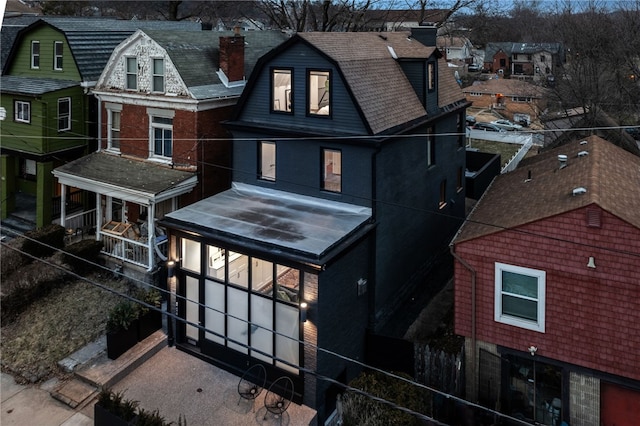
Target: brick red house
162,97
547,292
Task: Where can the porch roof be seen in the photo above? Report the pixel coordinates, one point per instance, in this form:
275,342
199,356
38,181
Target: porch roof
125,178
304,227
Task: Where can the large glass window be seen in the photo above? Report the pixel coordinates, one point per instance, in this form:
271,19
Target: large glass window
22,111
319,99
158,75
520,296
132,73
57,55
267,161
64,114
332,170
35,54
282,97
162,136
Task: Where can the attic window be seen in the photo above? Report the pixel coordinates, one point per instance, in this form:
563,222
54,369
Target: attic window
594,218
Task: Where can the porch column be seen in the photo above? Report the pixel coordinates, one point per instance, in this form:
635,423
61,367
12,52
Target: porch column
98,216
151,237
63,205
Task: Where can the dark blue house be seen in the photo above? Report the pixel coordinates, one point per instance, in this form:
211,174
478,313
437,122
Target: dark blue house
348,179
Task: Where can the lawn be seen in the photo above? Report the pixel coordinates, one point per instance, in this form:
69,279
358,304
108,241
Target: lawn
54,327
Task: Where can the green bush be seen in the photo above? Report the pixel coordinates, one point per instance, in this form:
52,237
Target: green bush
83,255
121,316
44,241
150,296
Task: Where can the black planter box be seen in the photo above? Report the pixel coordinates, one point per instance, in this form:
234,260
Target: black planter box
121,341
149,323
103,417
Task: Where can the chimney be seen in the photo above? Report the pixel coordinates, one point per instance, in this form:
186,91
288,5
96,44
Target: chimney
425,34
232,56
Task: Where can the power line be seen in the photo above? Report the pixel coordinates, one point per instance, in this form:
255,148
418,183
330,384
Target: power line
302,342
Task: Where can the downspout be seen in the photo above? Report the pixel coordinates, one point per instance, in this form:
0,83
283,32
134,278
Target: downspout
473,318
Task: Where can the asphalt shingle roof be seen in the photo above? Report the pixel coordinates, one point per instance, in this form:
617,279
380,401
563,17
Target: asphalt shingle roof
610,175
33,86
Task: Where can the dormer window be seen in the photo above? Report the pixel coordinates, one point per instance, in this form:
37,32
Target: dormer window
319,99
281,82
158,75
431,76
132,73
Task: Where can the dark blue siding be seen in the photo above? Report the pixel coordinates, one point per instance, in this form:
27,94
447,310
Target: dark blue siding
344,115
416,72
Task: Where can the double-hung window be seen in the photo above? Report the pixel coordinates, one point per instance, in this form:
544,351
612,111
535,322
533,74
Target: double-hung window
158,75
267,161
520,296
161,133
319,99
431,147
57,55
114,112
332,170
281,83
22,111
132,73
35,54
64,114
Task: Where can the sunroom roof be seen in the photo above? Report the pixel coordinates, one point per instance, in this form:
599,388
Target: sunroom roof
246,214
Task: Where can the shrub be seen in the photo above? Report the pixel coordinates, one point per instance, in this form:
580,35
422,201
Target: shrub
44,241
115,403
121,316
150,418
82,255
149,296
11,258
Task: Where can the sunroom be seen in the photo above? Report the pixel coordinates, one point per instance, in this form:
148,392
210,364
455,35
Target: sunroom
124,198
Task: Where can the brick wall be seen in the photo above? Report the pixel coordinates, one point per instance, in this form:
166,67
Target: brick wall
590,313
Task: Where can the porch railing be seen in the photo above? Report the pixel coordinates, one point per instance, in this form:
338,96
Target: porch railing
131,251
83,222
73,203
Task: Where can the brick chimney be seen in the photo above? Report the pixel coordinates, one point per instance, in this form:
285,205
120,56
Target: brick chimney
232,56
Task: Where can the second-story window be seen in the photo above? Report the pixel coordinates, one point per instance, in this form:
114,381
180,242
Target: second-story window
162,136
158,75
281,82
132,73
64,114
57,55
319,99
113,118
35,54
442,202
267,161
22,112
332,170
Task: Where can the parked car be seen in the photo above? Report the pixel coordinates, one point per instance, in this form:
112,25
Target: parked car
506,125
474,68
471,120
489,127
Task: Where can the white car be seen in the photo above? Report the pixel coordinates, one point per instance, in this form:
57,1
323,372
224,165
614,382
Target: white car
507,125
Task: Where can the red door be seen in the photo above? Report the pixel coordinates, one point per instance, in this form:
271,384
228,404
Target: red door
618,406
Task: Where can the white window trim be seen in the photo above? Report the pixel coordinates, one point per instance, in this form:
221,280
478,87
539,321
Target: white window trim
68,127
111,108
154,75
515,321
270,173
15,113
56,56
34,55
164,113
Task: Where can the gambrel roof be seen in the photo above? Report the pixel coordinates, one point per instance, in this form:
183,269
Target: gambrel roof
92,40
540,188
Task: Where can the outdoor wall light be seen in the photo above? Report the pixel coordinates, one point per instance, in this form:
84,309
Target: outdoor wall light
592,262
303,311
532,350
171,269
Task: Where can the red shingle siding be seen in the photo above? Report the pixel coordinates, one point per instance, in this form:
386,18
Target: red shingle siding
592,315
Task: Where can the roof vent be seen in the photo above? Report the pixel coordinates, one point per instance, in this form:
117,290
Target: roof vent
579,191
583,153
563,160
583,142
